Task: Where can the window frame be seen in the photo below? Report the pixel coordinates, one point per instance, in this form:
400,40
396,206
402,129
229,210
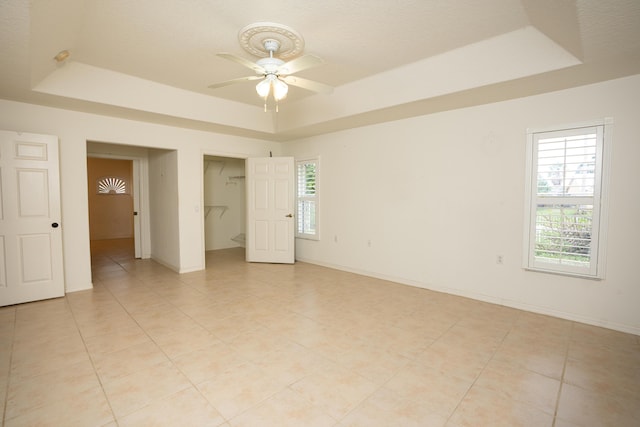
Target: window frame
315,198
596,269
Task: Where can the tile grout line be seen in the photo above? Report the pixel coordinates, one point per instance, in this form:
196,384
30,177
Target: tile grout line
151,339
6,397
479,374
409,360
95,371
564,369
148,336
116,299
65,300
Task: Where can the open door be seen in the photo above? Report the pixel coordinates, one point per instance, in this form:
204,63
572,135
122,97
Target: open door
31,266
137,233
270,207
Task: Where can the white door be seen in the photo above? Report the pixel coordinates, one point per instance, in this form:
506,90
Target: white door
270,207
30,235
135,190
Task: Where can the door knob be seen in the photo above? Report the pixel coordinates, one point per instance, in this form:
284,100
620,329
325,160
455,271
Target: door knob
54,225
289,216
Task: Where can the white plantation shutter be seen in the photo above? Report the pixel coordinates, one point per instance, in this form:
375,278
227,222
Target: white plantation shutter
307,198
564,213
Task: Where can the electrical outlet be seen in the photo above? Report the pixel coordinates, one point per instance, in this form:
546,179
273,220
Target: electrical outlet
335,238
369,243
499,259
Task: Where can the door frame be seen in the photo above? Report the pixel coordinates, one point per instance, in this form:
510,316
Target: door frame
139,192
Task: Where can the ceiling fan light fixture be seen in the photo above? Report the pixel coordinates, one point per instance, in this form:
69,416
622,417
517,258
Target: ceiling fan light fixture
263,88
280,89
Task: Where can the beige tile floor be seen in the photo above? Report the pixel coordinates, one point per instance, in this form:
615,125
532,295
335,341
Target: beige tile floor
300,345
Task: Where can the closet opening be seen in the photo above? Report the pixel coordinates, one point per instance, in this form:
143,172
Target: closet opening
224,204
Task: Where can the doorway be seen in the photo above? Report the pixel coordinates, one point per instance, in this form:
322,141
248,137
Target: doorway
111,204
224,201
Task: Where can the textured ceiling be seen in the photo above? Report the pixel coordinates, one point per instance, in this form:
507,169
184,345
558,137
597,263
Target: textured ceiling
153,60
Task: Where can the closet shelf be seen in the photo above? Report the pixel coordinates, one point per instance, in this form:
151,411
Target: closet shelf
209,208
208,162
240,239
234,179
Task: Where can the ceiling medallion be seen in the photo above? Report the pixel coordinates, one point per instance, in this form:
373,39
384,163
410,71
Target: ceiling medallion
252,39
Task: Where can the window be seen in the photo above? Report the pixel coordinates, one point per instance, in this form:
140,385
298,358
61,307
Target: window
112,185
307,198
565,210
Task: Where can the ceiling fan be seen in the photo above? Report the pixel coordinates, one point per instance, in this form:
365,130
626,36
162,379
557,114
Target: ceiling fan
274,74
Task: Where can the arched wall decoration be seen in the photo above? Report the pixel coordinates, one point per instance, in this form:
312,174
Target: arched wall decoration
112,185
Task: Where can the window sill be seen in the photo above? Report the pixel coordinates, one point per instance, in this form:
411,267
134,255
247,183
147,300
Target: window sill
312,238
564,273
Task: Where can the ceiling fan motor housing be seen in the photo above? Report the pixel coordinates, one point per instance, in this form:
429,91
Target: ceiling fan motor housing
270,65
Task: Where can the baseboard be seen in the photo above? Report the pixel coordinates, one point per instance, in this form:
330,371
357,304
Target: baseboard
190,269
179,270
485,298
165,264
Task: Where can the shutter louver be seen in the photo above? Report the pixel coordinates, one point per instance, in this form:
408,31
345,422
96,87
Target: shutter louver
307,198
565,200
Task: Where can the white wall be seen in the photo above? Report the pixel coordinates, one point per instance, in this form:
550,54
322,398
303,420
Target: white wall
431,201
163,203
74,129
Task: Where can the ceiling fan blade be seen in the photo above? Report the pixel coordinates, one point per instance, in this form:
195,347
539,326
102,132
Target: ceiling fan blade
307,84
299,64
233,81
245,62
